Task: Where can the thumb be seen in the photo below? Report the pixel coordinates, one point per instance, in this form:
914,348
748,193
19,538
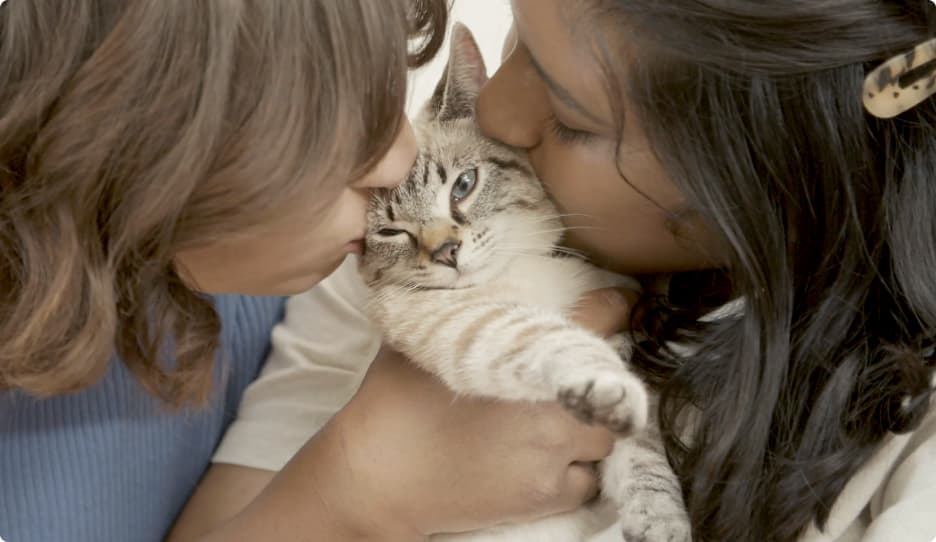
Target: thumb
605,311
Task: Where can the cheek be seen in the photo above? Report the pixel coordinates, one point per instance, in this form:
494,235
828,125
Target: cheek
584,181
386,255
619,222
350,213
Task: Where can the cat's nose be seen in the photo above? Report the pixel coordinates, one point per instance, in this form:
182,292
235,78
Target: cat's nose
446,253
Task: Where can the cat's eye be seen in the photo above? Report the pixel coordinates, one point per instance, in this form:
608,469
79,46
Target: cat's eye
465,184
395,232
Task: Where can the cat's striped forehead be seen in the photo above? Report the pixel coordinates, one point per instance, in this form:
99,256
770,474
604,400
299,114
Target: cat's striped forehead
447,150
426,190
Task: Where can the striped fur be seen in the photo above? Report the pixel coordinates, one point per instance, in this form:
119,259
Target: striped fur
471,288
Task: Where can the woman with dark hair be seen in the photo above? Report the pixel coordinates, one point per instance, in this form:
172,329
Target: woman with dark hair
153,152
732,136
772,157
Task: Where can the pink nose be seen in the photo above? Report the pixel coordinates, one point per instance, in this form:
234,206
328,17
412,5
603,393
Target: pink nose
447,253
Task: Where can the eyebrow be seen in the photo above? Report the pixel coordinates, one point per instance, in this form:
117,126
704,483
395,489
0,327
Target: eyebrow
562,93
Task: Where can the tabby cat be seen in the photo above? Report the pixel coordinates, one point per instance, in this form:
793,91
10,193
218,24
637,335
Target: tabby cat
467,281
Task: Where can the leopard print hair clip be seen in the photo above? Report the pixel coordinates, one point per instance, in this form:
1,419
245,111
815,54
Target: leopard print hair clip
903,82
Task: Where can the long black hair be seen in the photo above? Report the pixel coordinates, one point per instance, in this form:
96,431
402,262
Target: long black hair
829,219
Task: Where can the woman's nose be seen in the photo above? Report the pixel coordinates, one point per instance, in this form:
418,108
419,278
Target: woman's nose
396,164
513,106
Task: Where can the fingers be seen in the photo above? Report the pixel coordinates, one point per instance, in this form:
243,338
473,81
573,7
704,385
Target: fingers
557,431
591,443
605,311
581,485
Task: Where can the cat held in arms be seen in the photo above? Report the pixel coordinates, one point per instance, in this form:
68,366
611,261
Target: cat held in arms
468,281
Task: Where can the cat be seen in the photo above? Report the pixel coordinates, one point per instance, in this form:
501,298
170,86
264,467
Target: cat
466,280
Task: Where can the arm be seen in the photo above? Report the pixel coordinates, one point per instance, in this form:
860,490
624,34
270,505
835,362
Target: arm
223,491
310,499
319,355
383,469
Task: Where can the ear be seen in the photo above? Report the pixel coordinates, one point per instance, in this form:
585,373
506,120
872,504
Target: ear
456,93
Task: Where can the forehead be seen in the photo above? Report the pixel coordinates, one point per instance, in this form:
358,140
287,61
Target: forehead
561,37
449,139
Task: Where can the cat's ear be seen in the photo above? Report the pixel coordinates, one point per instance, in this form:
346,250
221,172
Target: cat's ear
457,91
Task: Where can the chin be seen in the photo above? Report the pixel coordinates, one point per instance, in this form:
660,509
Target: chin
302,283
295,286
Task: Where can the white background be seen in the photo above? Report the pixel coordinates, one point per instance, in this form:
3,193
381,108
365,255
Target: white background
488,20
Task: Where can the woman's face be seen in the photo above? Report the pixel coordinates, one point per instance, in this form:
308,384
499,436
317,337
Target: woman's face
297,249
549,97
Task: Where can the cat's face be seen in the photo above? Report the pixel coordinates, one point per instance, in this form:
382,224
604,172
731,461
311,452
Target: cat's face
469,205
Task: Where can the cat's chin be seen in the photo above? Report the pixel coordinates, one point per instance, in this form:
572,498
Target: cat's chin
474,274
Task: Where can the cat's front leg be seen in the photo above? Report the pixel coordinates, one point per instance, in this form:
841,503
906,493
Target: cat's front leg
596,391
638,478
519,352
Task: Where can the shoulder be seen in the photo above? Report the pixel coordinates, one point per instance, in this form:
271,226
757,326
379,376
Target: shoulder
891,496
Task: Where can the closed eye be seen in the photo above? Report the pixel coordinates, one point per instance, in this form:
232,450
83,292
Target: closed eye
568,135
394,232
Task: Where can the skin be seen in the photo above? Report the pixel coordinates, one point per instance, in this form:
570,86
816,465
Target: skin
622,223
549,74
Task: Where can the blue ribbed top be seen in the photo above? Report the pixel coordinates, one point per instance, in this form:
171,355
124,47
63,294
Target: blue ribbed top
111,463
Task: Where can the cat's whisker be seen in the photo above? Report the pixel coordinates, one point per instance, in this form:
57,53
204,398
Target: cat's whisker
564,215
538,220
555,230
526,254
391,291
548,218
553,250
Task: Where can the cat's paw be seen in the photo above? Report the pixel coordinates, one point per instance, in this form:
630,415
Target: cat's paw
662,531
658,519
615,399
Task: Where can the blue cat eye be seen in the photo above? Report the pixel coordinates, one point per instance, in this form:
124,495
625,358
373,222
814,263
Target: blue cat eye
464,184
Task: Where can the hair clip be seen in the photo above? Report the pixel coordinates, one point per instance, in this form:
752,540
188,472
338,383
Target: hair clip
903,82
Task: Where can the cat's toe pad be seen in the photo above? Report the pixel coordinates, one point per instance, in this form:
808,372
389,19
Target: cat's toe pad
655,516
661,531
614,399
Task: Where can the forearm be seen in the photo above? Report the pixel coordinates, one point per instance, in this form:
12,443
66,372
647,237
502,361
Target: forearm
308,500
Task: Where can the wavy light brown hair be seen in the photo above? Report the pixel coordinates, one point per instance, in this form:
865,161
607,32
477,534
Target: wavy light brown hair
131,129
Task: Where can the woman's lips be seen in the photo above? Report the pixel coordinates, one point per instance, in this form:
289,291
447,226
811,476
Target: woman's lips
355,247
